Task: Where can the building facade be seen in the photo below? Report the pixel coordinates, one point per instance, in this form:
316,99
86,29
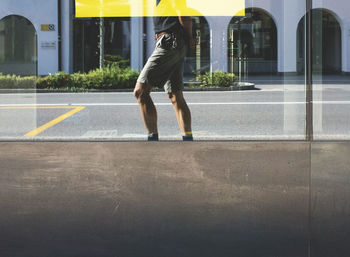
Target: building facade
43,36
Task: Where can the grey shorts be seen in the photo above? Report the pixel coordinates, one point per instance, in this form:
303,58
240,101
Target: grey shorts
165,66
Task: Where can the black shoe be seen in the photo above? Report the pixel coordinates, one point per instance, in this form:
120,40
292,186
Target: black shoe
187,138
153,137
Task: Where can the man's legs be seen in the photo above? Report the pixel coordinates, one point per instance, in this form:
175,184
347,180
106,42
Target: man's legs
148,110
183,114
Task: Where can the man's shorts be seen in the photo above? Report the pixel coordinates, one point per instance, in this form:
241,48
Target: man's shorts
165,66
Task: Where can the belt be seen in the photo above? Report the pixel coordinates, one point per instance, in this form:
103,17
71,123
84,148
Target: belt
158,35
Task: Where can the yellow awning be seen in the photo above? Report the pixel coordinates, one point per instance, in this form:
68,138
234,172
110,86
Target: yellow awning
139,8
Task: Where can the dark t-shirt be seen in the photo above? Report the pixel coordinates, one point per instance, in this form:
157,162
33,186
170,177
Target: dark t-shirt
166,24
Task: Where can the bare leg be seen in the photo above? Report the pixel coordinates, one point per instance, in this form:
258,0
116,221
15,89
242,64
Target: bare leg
148,110
183,113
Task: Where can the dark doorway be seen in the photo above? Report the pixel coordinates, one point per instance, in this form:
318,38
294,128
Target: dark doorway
252,43
18,46
326,47
198,59
86,42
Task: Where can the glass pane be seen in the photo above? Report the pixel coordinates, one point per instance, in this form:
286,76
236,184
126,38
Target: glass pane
18,57
330,37
243,77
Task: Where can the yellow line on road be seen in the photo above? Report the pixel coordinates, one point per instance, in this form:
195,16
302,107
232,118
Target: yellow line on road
55,121
37,107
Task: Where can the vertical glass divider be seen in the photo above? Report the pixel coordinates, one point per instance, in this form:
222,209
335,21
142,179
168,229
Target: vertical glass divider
308,72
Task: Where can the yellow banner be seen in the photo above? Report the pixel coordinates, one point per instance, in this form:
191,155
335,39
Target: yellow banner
139,8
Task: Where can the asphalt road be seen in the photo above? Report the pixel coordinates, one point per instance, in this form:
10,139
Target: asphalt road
274,112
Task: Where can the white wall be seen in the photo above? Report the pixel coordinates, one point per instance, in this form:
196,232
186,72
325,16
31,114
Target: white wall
67,35
218,41
38,12
136,58
346,44
150,42
285,13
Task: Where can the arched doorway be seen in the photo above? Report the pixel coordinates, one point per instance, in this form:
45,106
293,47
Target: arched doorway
198,59
116,33
18,46
326,47
252,43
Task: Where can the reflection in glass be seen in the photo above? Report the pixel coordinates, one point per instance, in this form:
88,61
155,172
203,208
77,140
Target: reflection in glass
87,42
198,59
326,33
330,71
259,47
18,46
252,46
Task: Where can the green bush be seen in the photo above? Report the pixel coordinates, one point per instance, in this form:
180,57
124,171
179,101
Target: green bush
17,82
58,80
113,59
216,79
113,76
116,75
110,77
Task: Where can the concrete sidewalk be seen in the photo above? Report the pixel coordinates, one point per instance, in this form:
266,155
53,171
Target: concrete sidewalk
174,199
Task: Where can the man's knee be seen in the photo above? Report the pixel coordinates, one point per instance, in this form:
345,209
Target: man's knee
141,91
176,97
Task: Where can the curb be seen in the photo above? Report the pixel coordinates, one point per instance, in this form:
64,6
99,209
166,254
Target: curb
236,87
243,86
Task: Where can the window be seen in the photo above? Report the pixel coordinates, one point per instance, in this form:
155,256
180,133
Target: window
116,38
18,46
252,43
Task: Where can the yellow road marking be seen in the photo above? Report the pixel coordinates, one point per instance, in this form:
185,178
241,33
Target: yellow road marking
38,107
51,123
55,121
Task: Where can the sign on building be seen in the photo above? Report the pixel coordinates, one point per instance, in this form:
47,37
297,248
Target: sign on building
139,8
48,44
47,27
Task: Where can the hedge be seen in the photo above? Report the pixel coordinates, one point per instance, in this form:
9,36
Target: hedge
111,77
16,82
216,79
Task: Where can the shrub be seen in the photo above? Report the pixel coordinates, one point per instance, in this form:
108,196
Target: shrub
54,81
116,75
17,82
116,59
217,78
112,76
